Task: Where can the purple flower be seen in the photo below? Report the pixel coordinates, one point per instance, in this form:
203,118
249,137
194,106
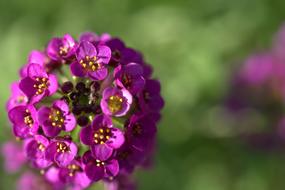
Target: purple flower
35,150
14,157
60,49
30,181
129,157
17,98
94,38
102,137
116,102
150,98
122,54
40,58
74,174
96,169
141,132
38,83
24,119
91,61
130,76
62,152
56,118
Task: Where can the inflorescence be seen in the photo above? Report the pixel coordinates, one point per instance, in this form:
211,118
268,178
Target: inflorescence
85,111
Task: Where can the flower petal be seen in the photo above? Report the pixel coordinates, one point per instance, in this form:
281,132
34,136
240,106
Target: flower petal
101,151
77,69
94,172
86,135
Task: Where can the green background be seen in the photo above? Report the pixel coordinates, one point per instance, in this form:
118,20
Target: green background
193,47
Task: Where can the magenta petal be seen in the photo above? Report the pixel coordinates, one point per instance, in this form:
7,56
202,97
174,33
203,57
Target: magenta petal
104,54
117,138
62,105
63,159
85,49
43,115
86,135
51,151
82,180
94,172
53,47
35,70
53,84
69,122
101,151
37,57
52,175
50,130
26,85
77,69
112,168
99,74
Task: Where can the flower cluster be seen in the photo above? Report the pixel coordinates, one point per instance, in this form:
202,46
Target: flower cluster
86,110
257,96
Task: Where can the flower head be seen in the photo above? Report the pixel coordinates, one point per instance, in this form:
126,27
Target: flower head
85,111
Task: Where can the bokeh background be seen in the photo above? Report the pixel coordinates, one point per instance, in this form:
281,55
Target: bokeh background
194,47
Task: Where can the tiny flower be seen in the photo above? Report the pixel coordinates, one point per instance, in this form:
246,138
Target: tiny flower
40,58
102,137
35,57
61,48
74,174
14,157
91,61
56,118
129,157
130,76
38,83
96,169
35,150
62,152
116,102
122,54
24,119
150,98
17,98
141,132
94,38
31,181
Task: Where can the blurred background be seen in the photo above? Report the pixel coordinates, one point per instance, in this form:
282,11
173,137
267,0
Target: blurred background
194,47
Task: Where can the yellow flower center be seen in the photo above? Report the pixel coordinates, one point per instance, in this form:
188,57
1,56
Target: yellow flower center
63,50
99,163
41,147
62,147
90,63
102,135
115,103
41,85
73,168
56,117
28,118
